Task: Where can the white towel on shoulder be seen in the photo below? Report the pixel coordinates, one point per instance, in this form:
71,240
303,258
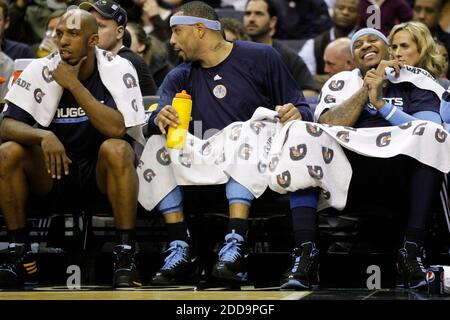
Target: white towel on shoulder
38,94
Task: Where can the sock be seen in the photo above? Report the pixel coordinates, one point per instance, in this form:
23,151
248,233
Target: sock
19,236
240,226
304,224
125,237
178,231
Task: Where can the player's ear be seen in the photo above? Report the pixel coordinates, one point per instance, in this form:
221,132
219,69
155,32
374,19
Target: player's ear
93,40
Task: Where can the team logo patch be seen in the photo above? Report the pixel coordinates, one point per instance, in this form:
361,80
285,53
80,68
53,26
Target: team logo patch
325,194
47,74
262,167
163,157
220,91
298,152
235,132
273,163
329,99
315,172
134,105
405,125
383,139
284,179
220,159
109,55
327,154
38,95
149,174
245,151
336,85
257,126
185,159
313,130
344,136
440,135
419,129
129,80
206,148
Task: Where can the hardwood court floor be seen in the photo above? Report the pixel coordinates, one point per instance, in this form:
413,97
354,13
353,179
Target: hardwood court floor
152,295
191,293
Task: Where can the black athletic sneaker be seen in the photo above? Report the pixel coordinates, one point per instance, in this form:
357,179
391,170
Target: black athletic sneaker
179,265
411,266
304,270
20,268
232,264
126,274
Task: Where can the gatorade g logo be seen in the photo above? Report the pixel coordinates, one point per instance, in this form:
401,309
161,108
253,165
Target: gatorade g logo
405,125
129,81
384,139
149,174
38,95
419,129
430,276
235,132
327,154
134,105
262,167
220,159
206,149
336,85
297,152
257,126
284,179
244,151
163,157
313,130
329,99
343,136
47,74
315,172
326,194
273,163
109,55
185,159
140,164
440,135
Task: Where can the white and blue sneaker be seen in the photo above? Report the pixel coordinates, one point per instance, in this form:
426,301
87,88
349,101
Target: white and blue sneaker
232,264
179,265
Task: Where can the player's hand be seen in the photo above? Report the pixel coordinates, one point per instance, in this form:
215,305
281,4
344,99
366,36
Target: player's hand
288,112
55,156
389,63
66,75
373,82
168,116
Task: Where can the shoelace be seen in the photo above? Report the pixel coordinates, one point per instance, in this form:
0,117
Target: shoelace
230,252
303,262
177,255
413,264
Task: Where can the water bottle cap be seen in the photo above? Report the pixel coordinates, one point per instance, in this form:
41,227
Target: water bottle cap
183,94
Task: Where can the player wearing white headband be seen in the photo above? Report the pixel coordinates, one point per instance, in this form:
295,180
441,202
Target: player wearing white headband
227,82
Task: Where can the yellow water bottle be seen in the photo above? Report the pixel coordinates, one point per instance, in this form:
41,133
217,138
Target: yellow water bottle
176,137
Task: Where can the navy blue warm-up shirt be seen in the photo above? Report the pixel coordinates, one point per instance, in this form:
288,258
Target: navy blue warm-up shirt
252,76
